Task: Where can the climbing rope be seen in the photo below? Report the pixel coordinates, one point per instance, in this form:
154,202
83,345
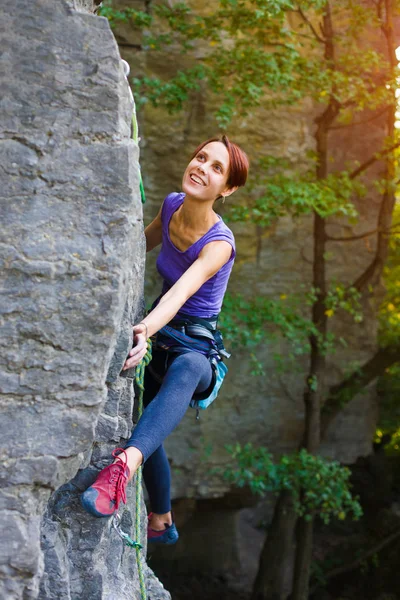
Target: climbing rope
139,380
135,137
135,128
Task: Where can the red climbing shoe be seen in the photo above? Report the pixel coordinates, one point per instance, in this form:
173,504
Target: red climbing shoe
167,536
103,498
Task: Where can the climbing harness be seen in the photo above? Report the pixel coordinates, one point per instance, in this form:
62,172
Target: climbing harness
200,335
135,128
139,380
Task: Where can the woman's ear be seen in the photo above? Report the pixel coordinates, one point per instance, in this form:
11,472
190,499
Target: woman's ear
228,192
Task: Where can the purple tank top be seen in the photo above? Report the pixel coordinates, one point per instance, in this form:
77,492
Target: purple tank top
172,263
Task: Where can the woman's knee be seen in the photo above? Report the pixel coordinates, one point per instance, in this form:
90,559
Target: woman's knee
193,361
192,370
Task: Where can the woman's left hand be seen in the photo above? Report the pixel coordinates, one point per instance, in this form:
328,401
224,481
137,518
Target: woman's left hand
139,349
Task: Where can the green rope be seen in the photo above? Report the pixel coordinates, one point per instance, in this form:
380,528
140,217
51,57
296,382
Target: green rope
135,137
128,541
135,128
139,379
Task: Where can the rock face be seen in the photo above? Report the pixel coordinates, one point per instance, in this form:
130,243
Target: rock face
72,255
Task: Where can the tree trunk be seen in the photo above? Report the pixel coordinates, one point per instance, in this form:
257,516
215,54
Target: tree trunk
305,530
314,389
342,393
312,403
373,272
276,556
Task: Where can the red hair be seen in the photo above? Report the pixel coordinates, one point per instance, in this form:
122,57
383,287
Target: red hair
238,161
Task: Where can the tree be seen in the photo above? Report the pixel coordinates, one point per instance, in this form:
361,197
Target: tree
341,55
388,387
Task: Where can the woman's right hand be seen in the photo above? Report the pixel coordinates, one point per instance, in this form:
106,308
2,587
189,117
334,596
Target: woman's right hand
140,346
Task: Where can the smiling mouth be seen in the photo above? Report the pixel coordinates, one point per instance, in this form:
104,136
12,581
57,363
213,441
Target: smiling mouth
196,179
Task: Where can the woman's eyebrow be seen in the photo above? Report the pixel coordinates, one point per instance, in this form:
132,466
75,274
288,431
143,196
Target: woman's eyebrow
222,165
218,162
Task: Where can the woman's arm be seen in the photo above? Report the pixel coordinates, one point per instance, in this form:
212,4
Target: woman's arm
153,232
213,256
210,260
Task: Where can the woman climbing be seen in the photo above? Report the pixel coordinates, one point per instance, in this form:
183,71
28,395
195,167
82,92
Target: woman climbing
195,262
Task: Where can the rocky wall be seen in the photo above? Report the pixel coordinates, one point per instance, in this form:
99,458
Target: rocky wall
72,257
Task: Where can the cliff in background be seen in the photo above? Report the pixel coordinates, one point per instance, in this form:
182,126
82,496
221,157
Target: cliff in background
270,261
72,252
265,410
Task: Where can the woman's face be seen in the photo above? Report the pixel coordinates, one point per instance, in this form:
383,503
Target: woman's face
206,175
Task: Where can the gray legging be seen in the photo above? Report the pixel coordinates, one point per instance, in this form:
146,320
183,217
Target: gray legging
166,404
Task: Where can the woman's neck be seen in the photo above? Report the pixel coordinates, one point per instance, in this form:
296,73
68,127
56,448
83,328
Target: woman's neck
197,215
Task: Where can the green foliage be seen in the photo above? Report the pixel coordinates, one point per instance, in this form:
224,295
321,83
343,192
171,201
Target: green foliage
388,387
283,193
316,484
388,390
345,298
128,15
389,311
248,322
252,55
171,94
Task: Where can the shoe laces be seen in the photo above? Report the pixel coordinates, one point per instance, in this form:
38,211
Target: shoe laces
118,478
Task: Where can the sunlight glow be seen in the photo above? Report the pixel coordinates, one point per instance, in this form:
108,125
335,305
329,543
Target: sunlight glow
397,93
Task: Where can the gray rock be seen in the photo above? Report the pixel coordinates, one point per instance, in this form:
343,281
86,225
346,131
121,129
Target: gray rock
72,257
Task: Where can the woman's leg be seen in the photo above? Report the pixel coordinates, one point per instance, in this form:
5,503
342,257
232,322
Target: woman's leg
103,497
157,477
189,373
